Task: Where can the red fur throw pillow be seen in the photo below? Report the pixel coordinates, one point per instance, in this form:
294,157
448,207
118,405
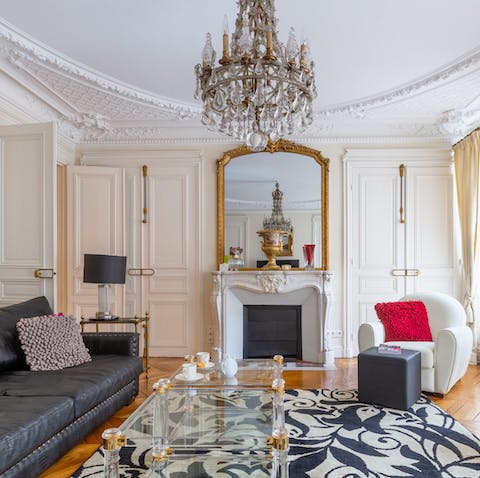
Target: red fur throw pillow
406,321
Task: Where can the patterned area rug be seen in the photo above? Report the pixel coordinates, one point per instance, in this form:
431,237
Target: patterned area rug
333,435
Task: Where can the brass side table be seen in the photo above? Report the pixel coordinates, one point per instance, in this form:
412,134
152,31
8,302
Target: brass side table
135,321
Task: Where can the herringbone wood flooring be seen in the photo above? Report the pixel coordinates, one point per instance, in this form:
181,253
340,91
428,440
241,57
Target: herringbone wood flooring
463,402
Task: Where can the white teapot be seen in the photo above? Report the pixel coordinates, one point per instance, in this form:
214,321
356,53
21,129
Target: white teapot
229,366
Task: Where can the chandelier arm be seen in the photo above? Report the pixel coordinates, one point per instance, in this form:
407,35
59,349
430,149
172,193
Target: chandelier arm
298,84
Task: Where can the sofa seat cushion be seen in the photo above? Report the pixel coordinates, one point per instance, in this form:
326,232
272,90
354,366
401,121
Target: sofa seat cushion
425,348
87,384
25,424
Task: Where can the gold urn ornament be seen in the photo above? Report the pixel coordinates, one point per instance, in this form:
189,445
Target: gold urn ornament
272,246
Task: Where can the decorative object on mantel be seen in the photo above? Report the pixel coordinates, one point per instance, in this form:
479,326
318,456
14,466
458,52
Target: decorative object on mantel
275,229
308,250
272,245
262,90
235,261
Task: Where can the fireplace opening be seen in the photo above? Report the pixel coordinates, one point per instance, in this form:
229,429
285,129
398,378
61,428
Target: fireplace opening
272,329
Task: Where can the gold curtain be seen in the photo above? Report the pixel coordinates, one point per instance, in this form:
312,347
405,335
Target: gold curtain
467,176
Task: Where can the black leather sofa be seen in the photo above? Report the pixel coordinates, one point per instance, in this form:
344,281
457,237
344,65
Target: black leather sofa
44,414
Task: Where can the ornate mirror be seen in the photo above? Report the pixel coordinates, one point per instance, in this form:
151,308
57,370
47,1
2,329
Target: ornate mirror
246,182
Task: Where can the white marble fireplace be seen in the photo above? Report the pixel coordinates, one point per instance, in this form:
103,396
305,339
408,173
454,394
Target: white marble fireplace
309,289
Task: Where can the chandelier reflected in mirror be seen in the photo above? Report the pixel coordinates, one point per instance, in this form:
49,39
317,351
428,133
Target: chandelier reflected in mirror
261,90
277,221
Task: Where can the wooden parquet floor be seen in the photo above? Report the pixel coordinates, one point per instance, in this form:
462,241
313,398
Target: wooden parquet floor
462,402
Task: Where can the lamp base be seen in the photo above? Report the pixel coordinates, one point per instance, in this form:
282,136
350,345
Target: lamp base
105,316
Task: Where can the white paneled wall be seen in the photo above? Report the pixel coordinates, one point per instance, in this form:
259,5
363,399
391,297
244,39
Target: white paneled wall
154,218
27,212
399,230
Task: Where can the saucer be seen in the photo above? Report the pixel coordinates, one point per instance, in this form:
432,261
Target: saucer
208,366
180,377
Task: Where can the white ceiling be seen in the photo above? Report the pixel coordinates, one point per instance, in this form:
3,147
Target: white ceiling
362,49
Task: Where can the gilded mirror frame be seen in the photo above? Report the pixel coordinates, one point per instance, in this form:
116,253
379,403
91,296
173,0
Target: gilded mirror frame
280,146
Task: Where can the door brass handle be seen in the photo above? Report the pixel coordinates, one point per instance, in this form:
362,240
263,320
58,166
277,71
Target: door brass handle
412,272
141,272
405,272
402,193
44,273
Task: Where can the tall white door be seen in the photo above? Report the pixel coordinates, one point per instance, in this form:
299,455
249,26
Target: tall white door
149,209
28,212
429,229
399,231
163,211
95,226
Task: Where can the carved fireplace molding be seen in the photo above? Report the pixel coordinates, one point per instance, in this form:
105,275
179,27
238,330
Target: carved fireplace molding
234,289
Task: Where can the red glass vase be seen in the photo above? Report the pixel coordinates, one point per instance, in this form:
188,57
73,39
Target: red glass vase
308,250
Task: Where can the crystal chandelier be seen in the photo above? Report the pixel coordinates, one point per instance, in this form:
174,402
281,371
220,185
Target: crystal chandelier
277,221
261,90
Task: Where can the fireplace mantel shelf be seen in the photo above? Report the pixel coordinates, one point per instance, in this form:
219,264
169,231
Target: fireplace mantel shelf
310,289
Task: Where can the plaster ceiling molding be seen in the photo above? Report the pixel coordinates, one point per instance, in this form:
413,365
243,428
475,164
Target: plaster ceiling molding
94,108
88,99
31,51
469,62
165,132
417,129
457,124
430,105
88,96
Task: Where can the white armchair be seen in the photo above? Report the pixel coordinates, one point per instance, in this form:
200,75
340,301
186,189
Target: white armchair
445,360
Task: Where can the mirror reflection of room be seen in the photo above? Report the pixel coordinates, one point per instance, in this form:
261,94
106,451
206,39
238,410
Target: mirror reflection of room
250,181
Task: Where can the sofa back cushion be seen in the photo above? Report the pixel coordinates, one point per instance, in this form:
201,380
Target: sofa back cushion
11,353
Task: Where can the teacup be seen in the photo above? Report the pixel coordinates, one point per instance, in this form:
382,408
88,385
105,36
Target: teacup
189,371
203,357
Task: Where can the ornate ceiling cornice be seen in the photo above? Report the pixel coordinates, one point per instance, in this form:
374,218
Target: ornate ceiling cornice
93,108
359,107
80,87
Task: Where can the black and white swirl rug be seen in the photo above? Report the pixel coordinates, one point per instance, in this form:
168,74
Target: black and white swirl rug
332,435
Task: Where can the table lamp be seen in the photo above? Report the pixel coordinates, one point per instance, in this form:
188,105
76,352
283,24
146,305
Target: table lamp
104,270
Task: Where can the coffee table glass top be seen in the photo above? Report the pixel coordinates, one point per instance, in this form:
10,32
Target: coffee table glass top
251,373
211,432
206,419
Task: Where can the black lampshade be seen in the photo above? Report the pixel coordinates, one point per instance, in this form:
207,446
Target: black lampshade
103,269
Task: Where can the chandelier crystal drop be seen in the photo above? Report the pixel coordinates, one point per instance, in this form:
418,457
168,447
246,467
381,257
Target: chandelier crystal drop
261,90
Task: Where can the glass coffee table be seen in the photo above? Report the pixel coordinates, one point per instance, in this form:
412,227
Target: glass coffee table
253,373
210,427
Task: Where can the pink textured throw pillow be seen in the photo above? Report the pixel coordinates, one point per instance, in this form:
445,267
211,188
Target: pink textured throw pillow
52,342
407,321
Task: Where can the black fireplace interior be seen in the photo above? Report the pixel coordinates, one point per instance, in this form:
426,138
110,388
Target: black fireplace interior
272,329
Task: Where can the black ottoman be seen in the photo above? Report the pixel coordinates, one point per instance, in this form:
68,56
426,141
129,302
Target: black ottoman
392,380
